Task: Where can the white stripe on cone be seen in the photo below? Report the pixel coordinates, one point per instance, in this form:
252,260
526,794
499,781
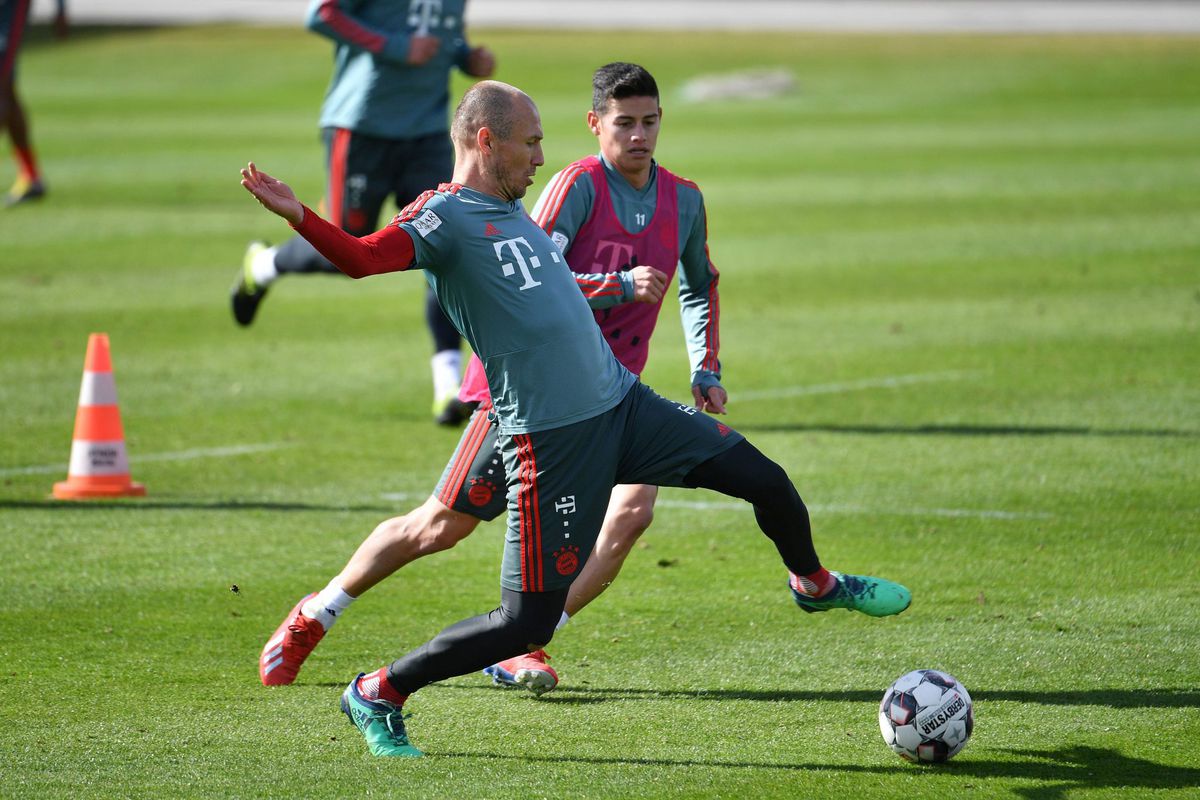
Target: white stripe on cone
98,458
98,389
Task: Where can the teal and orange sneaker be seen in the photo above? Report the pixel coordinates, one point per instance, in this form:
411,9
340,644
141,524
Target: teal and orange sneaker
381,723
875,597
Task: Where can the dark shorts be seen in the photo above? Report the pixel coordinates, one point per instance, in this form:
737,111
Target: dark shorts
365,170
559,481
473,481
13,17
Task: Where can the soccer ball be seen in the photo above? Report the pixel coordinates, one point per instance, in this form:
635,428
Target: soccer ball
926,715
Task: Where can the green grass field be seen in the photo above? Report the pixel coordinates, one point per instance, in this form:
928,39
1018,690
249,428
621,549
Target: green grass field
961,301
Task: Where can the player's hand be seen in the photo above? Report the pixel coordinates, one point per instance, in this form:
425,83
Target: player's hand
274,195
481,63
422,48
648,284
714,402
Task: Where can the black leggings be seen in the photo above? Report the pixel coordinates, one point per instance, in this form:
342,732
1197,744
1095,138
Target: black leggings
743,472
524,622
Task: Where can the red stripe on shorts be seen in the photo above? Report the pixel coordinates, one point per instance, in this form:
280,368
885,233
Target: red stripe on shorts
477,431
531,526
338,153
15,30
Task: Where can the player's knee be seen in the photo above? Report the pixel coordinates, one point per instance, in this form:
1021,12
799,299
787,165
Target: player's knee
432,528
532,619
626,526
528,630
444,532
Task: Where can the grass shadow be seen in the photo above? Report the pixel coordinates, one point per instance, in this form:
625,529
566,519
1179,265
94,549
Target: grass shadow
1112,698
135,504
968,430
1061,771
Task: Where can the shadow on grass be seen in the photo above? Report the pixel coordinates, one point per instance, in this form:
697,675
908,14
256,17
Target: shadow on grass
1062,771
132,504
968,430
1113,698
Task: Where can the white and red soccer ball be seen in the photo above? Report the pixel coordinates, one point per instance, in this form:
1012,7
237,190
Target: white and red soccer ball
926,716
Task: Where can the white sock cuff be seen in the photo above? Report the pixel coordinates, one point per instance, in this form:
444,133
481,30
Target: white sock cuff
328,605
563,621
262,266
447,372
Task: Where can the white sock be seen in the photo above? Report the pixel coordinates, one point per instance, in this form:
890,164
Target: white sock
446,366
562,622
262,267
328,605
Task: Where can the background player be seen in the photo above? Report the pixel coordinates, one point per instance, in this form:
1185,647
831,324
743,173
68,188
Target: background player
14,14
385,124
613,215
572,421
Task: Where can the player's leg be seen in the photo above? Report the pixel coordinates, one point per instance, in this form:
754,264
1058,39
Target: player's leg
445,364
523,621
426,162
352,202
555,509
743,472
630,512
562,493
671,444
28,184
430,528
467,493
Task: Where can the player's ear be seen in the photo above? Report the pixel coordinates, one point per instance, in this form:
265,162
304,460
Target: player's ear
593,122
483,139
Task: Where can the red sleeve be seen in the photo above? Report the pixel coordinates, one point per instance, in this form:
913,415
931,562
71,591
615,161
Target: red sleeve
387,250
347,28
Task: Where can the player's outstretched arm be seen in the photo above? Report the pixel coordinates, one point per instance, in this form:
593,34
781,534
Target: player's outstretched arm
274,195
386,250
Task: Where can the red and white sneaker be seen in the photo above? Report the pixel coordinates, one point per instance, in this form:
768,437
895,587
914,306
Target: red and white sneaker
284,653
529,671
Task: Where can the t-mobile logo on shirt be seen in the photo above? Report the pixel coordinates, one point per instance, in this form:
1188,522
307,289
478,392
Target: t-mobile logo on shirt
516,248
424,15
618,255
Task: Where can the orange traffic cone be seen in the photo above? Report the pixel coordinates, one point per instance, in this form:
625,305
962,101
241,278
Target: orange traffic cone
99,466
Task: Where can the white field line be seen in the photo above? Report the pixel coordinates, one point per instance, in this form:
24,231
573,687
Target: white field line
885,382
182,455
405,497
737,505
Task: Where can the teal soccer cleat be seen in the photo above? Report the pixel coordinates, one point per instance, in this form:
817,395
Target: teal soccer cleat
381,723
875,597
